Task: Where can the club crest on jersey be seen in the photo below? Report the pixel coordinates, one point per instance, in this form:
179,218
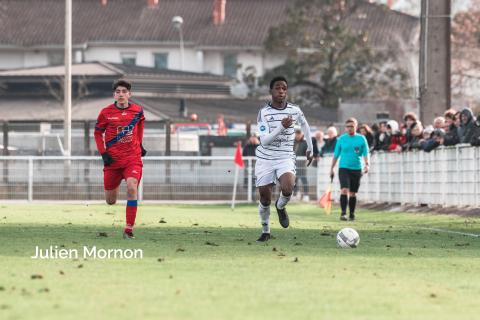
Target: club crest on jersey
128,131
263,128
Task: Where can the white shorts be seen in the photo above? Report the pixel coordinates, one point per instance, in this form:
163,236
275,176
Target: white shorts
268,171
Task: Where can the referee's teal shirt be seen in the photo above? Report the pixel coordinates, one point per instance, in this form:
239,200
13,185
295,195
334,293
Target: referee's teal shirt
350,150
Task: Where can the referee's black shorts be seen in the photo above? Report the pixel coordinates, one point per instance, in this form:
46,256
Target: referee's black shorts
350,179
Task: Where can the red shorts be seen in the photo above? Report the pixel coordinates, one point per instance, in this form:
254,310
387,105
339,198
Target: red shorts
113,177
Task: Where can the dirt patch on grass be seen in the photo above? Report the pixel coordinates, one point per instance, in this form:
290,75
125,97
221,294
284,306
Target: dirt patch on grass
397,207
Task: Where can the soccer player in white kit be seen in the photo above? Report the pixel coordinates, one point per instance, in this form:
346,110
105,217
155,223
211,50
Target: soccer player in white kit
275,155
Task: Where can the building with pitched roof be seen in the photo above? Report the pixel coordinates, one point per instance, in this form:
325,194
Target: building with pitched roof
223,37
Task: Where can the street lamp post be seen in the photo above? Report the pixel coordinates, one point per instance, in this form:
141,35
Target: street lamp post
177,22
67,94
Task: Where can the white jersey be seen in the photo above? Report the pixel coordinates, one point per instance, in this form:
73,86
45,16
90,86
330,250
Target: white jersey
268,120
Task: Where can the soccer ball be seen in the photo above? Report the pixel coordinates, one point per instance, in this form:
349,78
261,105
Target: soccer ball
348,238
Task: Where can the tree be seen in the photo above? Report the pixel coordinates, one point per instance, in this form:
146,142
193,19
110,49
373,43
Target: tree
329,61
465,51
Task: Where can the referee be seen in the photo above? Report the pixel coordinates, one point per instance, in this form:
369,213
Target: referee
350,148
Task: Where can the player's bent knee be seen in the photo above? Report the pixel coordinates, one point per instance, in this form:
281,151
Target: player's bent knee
287,192
265,202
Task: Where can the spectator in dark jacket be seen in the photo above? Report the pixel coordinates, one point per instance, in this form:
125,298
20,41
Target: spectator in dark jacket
382,140
475,141
251,146
300,147
367,132
330,142
410,119
451,133
417,137
437,139
249,151
467,125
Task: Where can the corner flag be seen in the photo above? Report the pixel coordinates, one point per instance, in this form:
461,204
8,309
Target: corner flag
238,160
238,157
326,200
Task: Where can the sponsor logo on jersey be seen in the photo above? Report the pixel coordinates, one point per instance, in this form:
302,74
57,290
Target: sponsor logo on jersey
112,118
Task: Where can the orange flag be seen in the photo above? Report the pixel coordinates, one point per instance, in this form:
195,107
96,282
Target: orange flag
238,157
325,200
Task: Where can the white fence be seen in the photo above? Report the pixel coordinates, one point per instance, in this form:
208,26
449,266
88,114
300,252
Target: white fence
164,178
447,176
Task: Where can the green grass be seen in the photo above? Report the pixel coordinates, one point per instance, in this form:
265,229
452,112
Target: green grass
400,270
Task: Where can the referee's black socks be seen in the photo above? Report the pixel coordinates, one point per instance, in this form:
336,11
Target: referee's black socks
352,202
343,203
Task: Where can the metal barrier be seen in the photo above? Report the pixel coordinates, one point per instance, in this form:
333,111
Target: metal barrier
446,176
164,178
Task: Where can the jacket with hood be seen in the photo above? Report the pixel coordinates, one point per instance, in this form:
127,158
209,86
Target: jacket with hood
466,130
396,138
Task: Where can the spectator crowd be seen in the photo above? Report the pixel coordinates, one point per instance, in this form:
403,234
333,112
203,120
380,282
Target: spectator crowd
452,128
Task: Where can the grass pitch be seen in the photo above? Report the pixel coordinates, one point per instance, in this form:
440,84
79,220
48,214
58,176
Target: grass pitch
202,262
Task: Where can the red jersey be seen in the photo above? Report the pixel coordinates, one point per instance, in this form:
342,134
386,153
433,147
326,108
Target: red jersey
120,132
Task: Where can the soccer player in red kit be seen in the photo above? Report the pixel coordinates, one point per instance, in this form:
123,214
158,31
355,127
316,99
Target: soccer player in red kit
118,135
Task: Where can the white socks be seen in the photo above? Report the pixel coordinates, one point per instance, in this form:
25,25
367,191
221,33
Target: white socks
264,213
282,201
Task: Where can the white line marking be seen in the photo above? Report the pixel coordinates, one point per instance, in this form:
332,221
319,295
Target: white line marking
449,231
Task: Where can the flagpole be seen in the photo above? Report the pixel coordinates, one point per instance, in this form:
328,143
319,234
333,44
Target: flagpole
235,181
238,160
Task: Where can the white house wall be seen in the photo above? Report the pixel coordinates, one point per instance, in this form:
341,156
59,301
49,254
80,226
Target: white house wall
35,59
145,56
213,62
11,60
22,59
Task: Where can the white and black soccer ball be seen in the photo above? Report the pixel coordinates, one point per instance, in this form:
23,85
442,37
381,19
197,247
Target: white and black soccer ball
348,238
